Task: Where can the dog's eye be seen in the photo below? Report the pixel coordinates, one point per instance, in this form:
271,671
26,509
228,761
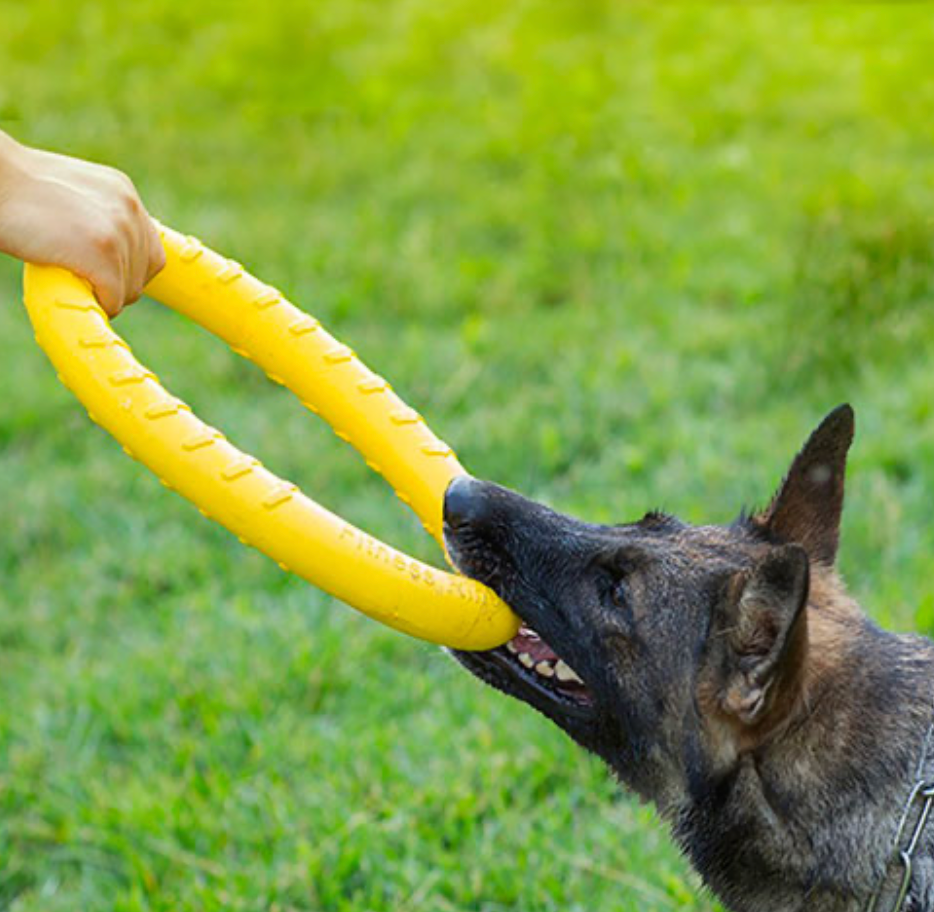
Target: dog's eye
619,594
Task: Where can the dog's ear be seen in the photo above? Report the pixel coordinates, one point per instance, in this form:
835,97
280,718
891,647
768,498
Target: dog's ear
761,632
808,505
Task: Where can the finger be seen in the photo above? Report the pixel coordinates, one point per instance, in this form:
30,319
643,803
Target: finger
128,268
110,277
108,289
103,260
138,271
156,251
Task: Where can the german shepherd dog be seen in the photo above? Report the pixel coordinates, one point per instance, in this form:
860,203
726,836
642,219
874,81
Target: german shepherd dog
723,673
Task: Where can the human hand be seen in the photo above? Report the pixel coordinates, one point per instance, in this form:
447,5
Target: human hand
87,218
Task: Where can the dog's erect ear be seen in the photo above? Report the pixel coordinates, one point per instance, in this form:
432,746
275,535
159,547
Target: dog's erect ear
761,628
808,505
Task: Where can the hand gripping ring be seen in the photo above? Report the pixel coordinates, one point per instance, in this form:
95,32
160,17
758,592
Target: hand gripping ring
232,487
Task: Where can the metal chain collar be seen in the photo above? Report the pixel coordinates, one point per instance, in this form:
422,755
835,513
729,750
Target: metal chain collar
922,791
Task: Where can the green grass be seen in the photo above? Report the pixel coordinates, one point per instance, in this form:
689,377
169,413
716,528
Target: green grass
620,256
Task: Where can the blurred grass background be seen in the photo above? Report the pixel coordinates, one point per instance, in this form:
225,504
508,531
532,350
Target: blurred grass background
620,256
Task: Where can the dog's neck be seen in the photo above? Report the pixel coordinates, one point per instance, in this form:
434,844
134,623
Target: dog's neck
806,818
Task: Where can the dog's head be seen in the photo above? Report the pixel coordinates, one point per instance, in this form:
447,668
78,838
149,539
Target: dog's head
663,647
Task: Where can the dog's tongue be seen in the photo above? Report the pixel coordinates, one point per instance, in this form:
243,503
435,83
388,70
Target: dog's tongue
527,640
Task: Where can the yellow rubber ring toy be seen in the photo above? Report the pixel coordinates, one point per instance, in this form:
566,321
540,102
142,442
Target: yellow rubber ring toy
232,487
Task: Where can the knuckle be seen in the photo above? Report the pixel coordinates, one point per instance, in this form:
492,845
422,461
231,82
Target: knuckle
123,225
133,205
106,241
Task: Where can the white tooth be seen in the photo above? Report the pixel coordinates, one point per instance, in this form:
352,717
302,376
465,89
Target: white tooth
545,669
526,660
566,673
511,648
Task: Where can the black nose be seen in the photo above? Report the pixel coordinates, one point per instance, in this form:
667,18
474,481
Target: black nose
465,502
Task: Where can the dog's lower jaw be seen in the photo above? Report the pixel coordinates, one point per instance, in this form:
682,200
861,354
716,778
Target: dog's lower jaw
579,722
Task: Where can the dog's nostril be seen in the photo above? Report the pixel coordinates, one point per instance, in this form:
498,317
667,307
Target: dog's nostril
464,503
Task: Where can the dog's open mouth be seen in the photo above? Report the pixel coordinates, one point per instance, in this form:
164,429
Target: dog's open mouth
527,663
536,657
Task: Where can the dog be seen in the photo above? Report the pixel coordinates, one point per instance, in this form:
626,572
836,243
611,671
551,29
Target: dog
724,674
